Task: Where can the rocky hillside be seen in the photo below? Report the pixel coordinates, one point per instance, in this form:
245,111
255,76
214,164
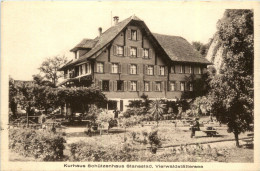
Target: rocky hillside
215,53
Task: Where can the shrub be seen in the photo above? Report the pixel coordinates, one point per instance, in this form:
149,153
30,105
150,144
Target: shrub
154,140
85,151
45,146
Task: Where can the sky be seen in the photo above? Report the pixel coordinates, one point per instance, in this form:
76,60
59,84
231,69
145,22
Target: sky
33,31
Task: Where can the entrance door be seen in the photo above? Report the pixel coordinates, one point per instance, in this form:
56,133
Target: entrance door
121,105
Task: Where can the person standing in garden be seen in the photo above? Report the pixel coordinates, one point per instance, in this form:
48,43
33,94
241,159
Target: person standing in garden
195,127
116,112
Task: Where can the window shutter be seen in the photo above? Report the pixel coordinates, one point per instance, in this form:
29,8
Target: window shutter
128,68
107,67
124,68
155,70
150,86
139,52
146,68
138,86
139,35
128,51
166,70
119,68
100,84
129,85
125,50
150,53
114,50
95,67
162,86
128,33
142,86
115,85
125,85
110,85
137,69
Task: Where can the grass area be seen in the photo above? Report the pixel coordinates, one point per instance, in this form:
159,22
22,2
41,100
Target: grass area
169,136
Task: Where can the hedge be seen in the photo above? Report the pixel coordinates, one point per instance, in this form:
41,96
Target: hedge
43,145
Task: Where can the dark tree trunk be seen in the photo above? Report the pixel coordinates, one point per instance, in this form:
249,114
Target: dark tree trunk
28,111
236,138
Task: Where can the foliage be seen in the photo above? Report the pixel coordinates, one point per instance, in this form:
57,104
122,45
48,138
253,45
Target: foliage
13,97
232,91
39,80
92,113
156,109
49,68
81,95
44,146
133,111
201,48
85,151
201,106
154,140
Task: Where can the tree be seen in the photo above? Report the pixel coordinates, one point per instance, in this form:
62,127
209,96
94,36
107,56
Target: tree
232,90
201,48
26,97
50,67
156,109
13,97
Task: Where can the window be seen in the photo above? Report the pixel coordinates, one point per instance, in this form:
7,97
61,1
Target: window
172,86
162,70
182,86
120,85
150,70
182,69
114,68
173,69
199,70
157,86
87,68
146,86
146,53
191,87
80,70
133,85
133,51
133,69
105,85
100,67
120,50
133,35
190,69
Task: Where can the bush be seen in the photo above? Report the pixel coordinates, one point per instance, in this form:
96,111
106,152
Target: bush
85,151
154,140
45,146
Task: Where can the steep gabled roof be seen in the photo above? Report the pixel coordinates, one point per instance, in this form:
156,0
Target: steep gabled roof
85,43
106,38
179,49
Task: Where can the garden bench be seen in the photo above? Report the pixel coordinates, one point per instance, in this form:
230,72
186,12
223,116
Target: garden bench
210,131
250,140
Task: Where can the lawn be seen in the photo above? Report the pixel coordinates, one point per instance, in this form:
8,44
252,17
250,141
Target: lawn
173,141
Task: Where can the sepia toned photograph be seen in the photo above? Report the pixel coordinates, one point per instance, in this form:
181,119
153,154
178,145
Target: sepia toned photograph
120,85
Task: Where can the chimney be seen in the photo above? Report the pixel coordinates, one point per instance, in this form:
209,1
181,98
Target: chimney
100,31
116,18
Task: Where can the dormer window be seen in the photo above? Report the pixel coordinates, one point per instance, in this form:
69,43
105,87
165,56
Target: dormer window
133,34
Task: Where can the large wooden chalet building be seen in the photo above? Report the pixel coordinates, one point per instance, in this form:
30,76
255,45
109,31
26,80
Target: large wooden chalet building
128,60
